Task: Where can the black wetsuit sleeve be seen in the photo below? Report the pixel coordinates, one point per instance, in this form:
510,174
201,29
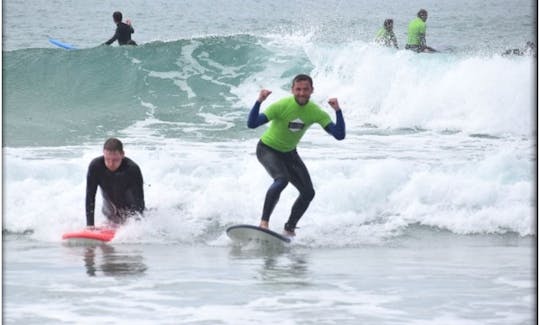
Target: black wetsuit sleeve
114,38
91,189
138,190
117,34
337,129
394,40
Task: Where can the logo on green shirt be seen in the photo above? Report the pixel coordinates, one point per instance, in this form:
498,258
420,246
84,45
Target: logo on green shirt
296,125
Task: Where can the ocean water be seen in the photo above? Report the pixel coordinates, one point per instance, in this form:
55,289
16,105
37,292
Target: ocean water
424,214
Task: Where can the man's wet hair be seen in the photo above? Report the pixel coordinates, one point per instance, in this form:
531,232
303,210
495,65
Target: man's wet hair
422,12
113,144
302,77
117,16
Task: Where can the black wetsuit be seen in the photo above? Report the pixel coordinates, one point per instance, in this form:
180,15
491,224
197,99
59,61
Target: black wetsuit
122,190
123,35
285,167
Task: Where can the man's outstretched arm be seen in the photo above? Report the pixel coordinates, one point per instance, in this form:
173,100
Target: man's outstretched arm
336,129
255,118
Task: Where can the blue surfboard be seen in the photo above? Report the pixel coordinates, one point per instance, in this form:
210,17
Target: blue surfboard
62,44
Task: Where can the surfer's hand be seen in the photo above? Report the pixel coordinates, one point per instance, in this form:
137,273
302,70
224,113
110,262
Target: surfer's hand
128,22
334,103
263,95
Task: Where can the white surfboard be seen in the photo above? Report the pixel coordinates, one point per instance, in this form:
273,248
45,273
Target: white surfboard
249,234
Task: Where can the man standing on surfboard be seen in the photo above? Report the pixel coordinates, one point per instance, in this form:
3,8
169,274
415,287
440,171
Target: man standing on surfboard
276,150
121,184
123,31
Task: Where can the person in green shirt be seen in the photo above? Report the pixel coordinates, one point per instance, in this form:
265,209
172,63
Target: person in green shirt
276,150
416,34
385,35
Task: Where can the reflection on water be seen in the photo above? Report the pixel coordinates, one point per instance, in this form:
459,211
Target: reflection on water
287,265
289,268
112,262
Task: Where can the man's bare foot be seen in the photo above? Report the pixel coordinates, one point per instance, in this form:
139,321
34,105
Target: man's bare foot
289,233
264,224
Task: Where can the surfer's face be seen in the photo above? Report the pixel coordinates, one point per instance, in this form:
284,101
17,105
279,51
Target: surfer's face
113,159
302,90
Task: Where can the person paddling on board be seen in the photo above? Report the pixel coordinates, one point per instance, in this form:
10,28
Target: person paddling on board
416,33
276,150
530,49
121,184
385,35
123,31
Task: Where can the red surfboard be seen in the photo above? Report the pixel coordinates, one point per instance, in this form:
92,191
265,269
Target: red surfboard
89,236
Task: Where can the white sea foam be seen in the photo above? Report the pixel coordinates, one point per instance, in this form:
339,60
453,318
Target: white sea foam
194,190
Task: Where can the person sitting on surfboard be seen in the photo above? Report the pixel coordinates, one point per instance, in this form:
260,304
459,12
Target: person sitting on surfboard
385,35
416,33
123,31
121,184
276,150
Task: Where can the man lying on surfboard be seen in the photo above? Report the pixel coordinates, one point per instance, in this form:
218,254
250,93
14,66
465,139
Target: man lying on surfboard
276,150
121,184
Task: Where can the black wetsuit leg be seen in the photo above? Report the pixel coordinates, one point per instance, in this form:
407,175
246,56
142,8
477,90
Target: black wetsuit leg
299,177
285,168
415,48
274,163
